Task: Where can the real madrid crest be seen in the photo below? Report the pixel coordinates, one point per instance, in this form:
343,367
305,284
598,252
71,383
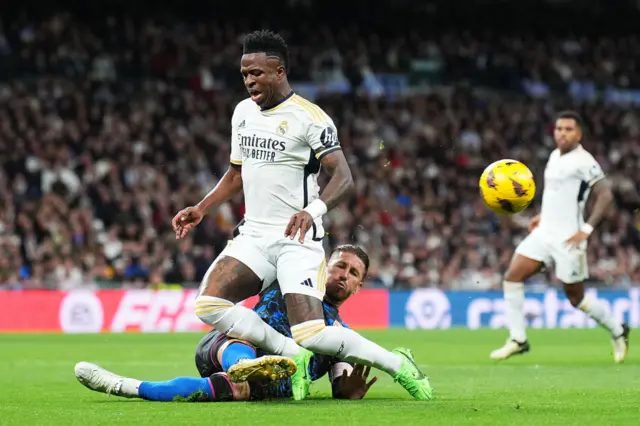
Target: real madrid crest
282,128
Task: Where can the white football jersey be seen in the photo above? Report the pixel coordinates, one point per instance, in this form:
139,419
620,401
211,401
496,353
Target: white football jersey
280,150
568,180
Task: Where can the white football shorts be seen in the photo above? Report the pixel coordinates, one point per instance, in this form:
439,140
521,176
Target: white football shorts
570,265
299,268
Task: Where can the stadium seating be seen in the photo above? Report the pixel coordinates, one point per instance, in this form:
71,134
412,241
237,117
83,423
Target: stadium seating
110,124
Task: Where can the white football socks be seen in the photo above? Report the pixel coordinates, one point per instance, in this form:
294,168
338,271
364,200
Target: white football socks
597,310
129,387
243,323
514,301
345,344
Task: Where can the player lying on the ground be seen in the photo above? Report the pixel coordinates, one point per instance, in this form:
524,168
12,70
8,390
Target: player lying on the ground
217,353
279,143
559,235
350,383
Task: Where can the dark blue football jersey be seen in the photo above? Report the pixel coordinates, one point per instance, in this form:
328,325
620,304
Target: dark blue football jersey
272,309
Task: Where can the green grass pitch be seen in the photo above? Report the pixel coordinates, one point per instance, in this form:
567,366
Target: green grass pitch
568,379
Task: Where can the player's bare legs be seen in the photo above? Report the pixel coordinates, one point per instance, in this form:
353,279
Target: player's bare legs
306,316
520,269
264,71
227,282
230,279
597,310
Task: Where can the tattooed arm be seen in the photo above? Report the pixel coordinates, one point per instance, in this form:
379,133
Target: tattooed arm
603,201
603,193
341,186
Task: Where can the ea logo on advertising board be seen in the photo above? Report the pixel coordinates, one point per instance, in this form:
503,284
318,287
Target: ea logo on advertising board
81,312
428,309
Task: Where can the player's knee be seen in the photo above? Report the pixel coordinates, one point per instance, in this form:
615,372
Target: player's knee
575,295
511,276
307,334
521,269
207,285
574,300
514,274
211,309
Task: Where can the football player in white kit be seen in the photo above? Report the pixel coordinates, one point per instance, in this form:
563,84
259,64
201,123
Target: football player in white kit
559,235
279,143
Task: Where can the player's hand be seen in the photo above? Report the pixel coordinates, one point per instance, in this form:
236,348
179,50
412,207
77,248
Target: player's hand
577,240
534,223
354,385
186,220
301,221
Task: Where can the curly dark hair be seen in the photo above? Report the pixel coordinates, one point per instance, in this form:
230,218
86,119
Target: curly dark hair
268,42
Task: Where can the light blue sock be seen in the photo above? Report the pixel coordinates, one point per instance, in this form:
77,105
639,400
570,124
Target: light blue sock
181,387
234,353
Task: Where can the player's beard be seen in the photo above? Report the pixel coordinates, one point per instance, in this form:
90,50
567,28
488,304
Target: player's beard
337,293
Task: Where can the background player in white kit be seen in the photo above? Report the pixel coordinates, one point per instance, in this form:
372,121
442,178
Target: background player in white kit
279,142
559,235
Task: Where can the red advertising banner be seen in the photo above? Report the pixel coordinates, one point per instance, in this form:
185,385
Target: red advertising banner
147,311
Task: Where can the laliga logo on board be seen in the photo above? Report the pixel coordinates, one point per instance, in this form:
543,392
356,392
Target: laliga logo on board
428,309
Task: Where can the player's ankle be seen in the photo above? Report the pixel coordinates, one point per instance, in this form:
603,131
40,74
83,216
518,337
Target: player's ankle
130,387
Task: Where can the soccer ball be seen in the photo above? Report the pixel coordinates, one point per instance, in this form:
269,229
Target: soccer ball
507,186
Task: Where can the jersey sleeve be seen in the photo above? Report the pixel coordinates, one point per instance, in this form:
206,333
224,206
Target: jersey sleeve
235,157
322,137
592,173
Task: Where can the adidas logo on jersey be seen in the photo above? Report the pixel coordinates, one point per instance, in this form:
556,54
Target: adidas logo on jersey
242,125
307,283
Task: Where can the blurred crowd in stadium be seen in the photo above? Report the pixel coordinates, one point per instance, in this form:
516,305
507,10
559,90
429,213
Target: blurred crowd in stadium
109,126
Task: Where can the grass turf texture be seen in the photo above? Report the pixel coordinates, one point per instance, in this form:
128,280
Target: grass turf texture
568,378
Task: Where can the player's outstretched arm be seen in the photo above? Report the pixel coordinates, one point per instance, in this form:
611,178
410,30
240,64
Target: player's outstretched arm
190,217
229,185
